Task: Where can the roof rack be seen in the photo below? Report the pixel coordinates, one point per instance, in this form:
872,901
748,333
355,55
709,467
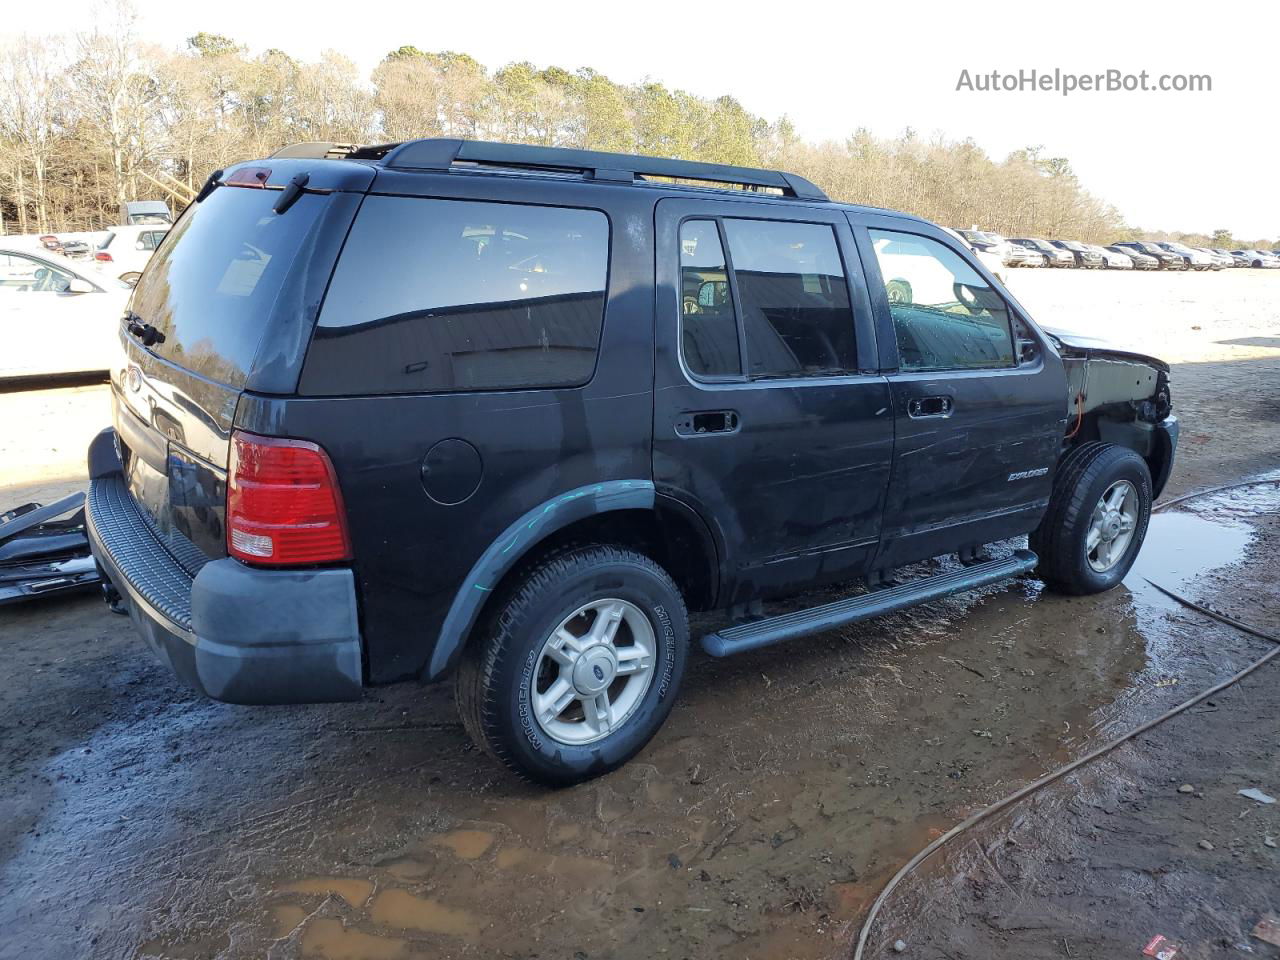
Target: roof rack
441,154
324,150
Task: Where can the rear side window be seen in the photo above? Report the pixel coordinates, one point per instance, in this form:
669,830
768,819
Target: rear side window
449,295
788,284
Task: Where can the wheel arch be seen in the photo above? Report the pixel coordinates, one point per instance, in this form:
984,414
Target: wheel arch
627,513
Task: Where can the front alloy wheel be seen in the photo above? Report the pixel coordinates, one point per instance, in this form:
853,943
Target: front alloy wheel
1111,526
1096,521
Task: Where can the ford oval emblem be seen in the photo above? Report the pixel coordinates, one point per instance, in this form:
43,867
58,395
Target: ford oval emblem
134,379
598,672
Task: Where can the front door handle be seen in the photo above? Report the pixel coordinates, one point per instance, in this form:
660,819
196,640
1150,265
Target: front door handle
924,408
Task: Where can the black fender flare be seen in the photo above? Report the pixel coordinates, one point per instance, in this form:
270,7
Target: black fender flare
512,545
1161,460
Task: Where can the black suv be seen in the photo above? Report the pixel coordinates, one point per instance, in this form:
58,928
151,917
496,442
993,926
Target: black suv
506,413
1167,259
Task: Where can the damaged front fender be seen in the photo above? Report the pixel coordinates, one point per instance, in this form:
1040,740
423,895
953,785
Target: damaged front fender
1120,396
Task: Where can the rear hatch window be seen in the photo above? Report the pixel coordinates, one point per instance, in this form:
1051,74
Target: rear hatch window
233,285
215,281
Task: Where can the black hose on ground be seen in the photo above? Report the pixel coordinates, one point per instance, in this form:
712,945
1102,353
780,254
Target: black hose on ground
1165,504
1058,774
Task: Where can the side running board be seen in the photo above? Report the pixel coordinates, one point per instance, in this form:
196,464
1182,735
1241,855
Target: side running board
763,633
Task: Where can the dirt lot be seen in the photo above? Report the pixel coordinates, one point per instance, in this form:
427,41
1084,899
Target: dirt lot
139,820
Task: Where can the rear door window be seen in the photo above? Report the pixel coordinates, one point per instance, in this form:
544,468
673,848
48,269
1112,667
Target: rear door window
779,298
795,302
451,295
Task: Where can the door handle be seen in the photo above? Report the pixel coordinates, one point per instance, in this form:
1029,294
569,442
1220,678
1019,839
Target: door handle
708,421
923,408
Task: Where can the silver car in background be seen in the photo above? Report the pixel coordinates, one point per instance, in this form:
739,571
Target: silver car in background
1259,259
1112,259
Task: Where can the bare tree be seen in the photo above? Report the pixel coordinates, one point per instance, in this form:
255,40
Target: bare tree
31,71
84,131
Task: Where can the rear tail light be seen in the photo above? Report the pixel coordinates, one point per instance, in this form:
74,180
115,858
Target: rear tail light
102,256
284,507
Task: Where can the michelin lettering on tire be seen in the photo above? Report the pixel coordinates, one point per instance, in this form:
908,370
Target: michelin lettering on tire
524,708
669,636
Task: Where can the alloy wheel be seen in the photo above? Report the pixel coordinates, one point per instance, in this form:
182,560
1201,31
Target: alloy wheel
593,671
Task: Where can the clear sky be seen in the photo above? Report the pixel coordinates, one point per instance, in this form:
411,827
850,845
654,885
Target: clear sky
1187,161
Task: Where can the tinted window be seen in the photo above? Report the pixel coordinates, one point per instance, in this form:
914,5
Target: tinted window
795,302
218,274
709,329
945,315
439,295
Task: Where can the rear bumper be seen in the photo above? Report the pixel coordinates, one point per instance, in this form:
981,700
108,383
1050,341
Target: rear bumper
236,633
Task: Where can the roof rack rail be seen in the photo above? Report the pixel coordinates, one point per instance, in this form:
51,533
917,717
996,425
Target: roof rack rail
441,154
324,150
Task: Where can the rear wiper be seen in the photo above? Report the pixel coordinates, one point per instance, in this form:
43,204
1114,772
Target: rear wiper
145,333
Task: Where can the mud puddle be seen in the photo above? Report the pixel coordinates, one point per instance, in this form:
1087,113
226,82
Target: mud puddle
784,790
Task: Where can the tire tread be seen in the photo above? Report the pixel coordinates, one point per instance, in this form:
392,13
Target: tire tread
1069,506
476,690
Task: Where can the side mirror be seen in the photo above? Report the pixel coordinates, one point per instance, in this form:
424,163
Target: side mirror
79,285
139,245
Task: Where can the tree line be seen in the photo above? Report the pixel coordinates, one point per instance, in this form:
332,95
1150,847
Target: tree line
91,120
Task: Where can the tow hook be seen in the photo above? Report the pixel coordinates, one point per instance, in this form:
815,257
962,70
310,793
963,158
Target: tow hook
111,597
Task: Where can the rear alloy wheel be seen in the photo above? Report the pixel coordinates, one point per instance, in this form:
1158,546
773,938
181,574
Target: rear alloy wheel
577,666
1096,521
593,671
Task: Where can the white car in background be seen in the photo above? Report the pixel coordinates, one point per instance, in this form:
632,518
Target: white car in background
1220,261
126,250
1196,259
57,316
1112,259
991,260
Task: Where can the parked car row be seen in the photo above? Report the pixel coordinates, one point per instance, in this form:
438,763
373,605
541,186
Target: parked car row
1125,255
120,251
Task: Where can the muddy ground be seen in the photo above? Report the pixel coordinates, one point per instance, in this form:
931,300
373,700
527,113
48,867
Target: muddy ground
137,820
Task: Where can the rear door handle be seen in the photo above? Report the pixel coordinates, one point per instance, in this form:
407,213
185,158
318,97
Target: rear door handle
923,408
708,421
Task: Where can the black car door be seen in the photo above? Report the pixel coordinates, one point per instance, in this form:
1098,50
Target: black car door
978,394
770,419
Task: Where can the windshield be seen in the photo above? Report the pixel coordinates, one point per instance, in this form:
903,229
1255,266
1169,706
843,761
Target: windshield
215,279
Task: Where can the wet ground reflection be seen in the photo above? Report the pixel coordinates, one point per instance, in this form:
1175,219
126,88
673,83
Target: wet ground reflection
788,784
